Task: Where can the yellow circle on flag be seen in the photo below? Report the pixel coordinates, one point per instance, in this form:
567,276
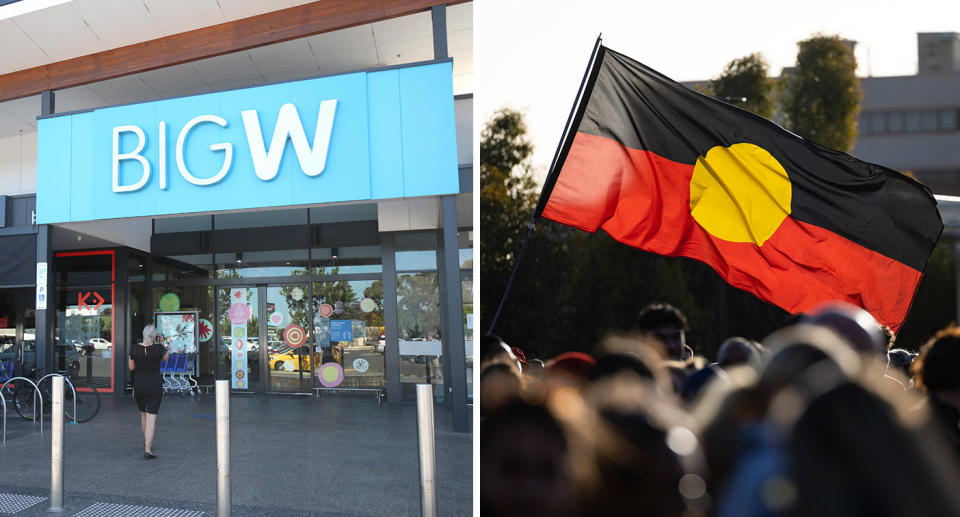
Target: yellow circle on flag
740,193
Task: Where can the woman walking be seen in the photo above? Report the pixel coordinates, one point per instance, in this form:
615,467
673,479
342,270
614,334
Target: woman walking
145,360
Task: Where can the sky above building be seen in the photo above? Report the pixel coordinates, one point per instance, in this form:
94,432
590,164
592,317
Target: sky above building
531,55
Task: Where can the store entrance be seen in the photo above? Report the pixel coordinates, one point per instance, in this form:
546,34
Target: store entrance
264,332
288,352
17,327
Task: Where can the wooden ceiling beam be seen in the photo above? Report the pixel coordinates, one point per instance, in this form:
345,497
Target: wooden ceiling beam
255,31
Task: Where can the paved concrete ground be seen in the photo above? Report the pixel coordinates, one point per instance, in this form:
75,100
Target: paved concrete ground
336,455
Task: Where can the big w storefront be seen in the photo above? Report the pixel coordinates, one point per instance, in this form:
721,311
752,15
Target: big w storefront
293,238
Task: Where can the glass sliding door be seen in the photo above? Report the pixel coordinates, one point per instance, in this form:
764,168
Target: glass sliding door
289,344
348,324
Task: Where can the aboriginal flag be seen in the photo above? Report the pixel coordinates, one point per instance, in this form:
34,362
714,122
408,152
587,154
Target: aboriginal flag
665,169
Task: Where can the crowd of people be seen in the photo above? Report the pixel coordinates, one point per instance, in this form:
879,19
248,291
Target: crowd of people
824,417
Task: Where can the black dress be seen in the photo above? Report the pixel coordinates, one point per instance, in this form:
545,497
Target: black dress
148,383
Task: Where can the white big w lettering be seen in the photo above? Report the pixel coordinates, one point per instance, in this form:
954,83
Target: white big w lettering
266,160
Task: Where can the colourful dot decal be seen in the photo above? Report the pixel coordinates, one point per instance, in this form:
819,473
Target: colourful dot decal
330,375
325,310
239,313
368,305
204,330
294,335
169,302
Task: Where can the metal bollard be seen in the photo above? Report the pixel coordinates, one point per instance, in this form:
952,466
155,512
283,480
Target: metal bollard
223,448
428,454
56,447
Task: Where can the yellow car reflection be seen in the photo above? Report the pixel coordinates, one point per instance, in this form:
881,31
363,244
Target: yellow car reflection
291,359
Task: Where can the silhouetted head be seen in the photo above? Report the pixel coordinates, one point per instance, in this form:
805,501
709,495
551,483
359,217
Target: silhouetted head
901,360
492,347
938,366
857,326
737,351
523,468
666,323
577,365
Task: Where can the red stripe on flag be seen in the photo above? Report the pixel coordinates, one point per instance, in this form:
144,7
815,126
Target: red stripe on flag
643,200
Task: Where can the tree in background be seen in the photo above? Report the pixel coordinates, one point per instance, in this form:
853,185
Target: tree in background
820,98
746,77
508,197
418,306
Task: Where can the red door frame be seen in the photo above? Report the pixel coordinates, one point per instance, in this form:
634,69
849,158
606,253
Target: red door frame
113,303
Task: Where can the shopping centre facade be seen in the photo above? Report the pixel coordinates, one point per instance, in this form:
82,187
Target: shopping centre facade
285,188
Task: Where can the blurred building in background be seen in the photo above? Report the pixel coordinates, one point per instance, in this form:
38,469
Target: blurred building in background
910,122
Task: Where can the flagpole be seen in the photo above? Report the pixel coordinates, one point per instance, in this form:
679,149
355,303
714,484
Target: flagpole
565,138
551,178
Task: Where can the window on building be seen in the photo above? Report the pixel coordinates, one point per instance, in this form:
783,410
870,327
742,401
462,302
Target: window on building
877,122
895,122
928,121
948,120
913,121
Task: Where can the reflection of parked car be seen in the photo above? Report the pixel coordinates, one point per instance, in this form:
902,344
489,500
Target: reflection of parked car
291,359
99,343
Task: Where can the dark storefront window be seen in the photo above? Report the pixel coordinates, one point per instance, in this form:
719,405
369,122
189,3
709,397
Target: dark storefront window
346,260
182,267
18,319
85,317
8,325
259,264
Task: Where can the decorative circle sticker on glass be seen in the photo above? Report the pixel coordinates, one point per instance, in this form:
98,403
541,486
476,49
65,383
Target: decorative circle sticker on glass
204,330
325,310
170,302
240,383
297,293
240,374
239,344
367,305
239,313
239,332
361,365
330,375
294,335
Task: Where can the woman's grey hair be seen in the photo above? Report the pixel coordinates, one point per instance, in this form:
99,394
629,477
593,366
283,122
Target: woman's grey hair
149,333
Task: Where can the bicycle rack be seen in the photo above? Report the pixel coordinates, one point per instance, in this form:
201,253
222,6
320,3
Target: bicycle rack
36,393
67,380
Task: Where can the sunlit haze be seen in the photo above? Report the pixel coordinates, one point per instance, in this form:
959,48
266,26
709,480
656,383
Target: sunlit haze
531,55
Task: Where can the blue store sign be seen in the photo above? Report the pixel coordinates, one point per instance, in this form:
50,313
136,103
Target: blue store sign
341,330
380,134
